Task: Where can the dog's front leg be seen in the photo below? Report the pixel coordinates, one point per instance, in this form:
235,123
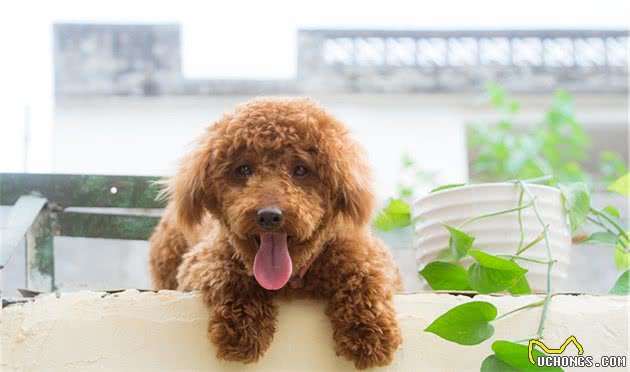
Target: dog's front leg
365,328
242,322
242,315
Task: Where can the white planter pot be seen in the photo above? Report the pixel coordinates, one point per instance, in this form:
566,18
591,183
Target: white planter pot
497,234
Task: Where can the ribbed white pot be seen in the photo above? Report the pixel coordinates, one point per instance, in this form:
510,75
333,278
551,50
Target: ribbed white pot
497,234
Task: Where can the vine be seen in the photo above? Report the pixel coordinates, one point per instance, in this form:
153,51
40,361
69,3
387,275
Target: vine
471,323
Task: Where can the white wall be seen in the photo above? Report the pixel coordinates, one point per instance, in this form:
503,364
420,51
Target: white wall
148,136
26,93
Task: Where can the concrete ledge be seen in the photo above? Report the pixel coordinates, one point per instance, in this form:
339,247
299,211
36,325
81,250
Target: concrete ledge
167,331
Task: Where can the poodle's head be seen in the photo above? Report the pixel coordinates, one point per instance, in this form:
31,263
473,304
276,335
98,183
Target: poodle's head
277,174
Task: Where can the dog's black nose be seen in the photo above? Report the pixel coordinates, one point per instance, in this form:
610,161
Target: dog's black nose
268,217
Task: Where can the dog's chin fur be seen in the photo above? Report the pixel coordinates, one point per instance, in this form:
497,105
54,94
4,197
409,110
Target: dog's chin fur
206,239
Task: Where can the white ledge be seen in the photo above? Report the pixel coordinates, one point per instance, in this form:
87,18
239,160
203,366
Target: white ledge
167,330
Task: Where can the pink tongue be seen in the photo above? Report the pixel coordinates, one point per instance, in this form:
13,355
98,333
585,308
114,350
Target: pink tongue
272,264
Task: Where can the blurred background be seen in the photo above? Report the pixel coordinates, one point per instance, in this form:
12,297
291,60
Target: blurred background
439,92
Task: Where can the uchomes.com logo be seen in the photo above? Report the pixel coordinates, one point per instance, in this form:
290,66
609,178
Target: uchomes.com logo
554,357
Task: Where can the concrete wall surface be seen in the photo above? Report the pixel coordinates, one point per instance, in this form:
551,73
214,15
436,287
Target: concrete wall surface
148,331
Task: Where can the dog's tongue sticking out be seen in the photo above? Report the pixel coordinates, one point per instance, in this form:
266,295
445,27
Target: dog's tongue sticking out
272,264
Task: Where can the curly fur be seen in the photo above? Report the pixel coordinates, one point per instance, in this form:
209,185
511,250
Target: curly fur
205,239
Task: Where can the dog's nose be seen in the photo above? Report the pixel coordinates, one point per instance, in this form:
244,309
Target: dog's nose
268,217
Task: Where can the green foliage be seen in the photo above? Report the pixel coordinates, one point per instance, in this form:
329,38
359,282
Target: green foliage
494,364
516,356
521,287
407,161
602,237
558,145
620,186
612,167
445,276
412,176
612,211
466,324
621,286
493,274
622,257
395,215
490,274
613,234
577,202
459,242
497,96
622,254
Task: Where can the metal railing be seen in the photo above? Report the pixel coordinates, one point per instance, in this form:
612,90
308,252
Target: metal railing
415,61
146,60
49,205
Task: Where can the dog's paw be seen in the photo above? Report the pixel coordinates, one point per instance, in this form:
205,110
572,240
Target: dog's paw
239,340
368,345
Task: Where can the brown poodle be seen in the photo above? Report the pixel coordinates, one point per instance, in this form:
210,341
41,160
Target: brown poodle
275,201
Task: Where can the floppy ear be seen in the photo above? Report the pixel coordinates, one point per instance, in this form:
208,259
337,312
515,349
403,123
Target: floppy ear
355,200
191,191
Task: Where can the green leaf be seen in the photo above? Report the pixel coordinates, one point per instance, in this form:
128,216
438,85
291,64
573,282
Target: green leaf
612,166
459,242
496,95
513,107
577,202
612,211
604,237
494,364
445,255
445,276
621,186
397,206
493,262
449,186
517,356
466,324
621,286
407,161
406,192
493,274
622,258
521,287
397,214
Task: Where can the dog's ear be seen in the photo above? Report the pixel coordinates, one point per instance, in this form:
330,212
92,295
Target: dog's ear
191,190
354,197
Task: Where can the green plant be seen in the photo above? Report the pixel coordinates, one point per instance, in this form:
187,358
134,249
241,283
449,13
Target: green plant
413,176
611,232
396,214
612,167
471,323
558,145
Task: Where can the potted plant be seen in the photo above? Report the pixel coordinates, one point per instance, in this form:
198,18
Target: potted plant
465,264
512,237
512,220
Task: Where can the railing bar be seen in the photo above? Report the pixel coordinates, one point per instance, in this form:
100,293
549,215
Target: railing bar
22,215
551,33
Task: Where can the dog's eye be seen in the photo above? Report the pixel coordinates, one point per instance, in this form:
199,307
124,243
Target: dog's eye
300,171
245,170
